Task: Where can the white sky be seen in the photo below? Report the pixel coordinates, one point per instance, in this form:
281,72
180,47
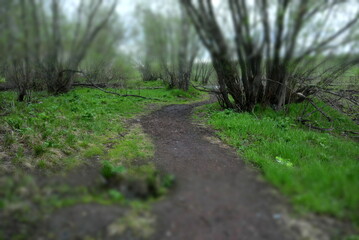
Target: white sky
127,12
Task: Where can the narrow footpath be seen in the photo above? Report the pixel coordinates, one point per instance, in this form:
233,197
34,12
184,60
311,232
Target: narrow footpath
216,196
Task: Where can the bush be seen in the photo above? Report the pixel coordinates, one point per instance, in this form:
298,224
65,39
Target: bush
109,171
140,181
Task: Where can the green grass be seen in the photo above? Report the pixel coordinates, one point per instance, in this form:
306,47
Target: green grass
339,122
134,145
318,171
150,84
93,151
52,128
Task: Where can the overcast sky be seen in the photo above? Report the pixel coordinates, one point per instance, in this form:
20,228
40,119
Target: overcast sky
127,12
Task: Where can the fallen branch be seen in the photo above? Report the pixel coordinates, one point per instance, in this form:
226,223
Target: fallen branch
318,109
4,88
103,85
151,88
315,106
126,95
205,90
305,123
351,132
115,93
4,114
339,95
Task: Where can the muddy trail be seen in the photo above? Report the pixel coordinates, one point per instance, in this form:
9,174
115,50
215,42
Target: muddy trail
216,196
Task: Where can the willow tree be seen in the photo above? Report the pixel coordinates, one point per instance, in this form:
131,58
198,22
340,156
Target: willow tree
64,57
40,41
281,47
171,46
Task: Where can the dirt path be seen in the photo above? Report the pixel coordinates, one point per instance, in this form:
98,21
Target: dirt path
216,195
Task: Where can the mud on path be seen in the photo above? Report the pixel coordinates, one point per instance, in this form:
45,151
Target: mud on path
216,196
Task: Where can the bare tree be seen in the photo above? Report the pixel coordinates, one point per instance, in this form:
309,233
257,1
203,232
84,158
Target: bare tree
20,76
41,37
273,41
202,72
104,74
171,46
84,35
148,72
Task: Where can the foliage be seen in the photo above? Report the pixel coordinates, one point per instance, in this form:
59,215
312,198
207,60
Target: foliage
108,170
142,181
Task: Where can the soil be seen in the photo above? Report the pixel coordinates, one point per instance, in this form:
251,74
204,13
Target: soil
216,195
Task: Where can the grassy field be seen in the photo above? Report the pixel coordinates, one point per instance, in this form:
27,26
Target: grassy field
52,136
318,171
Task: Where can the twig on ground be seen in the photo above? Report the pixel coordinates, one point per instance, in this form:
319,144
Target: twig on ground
125,95
115,93
319,110
305,123
205,90
4,114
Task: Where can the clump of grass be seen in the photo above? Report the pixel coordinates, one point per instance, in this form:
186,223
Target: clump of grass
39,150
93,151
319,171
9,139
150,84
137,181
109,171
141,224
168,181
133,146
42,164
191,93
116,195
